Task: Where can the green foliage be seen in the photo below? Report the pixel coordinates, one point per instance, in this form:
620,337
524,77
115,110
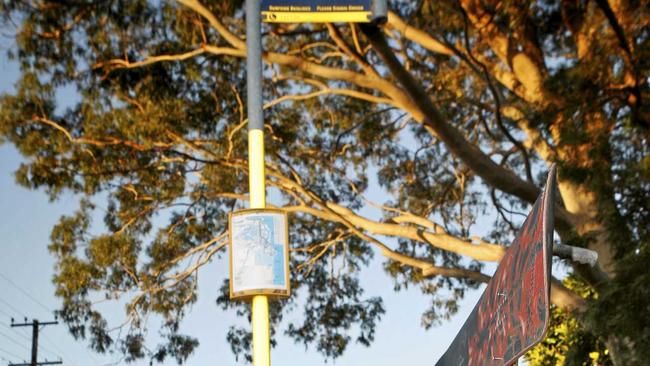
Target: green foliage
161,148
567,342
630,292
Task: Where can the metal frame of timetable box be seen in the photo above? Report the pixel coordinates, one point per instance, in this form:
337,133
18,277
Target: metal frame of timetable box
268,291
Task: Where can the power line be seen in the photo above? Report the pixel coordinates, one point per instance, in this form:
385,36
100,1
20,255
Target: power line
40,347
23,336
18,334
14,341
47,350
12,317
49,310
7,279
5,313
25,292
8,361
35,324
12,308
51,343
47,339
11,354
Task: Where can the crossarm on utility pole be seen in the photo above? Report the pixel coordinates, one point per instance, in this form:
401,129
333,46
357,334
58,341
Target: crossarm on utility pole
36,325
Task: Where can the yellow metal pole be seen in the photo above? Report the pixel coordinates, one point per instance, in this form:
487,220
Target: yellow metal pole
256,176
261,348
260,303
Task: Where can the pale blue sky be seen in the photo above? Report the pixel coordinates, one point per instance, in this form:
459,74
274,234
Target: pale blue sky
26,218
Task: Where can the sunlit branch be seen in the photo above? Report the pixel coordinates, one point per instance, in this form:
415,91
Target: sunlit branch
103,142
417,35
230,37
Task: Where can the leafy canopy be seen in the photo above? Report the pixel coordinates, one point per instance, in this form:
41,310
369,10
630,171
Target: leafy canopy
453,118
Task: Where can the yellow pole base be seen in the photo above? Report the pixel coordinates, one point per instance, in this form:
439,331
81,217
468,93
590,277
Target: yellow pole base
261,341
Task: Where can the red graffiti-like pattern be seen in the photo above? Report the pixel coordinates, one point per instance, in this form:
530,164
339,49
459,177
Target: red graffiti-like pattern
512,315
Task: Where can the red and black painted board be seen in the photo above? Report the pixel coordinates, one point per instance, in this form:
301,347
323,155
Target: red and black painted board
513,312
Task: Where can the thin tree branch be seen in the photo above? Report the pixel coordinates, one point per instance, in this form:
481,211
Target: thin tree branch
338,39
230,37
505,180
417,35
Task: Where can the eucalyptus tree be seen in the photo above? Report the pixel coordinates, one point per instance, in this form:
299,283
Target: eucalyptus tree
453,109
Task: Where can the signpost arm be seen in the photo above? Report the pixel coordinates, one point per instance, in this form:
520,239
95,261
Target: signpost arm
576,254
256,176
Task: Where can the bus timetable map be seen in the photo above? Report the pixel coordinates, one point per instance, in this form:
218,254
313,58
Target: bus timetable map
257,253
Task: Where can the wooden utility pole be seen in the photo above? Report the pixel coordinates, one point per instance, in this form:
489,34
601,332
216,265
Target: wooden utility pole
35,324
